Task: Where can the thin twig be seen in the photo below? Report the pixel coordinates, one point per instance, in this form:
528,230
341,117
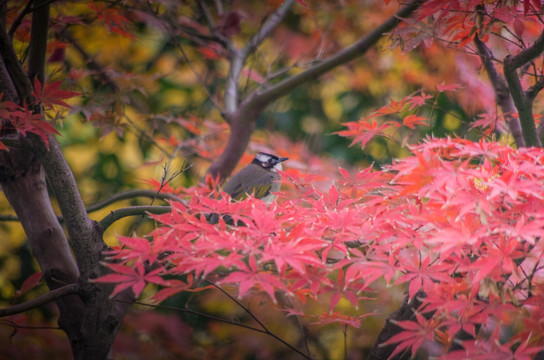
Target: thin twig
239,56
16,326
91,63
345,341
254,317
40,300
218,7
198,77
194,312
533,91
207,15
239,304
142,132
520,42
131,194
264,330
164,181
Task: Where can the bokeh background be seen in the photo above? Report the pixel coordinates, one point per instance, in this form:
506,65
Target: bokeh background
147,112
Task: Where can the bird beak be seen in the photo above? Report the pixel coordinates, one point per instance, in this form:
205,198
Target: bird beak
282,159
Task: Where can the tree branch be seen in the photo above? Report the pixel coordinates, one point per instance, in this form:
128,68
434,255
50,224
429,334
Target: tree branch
9,218
131,194
198,313
27,10
502,95
92,64
239,57
199,77
207,14
38,41
269,25
19,18
18,78
9,92
102,315
346,55
40,300
533,91
85,237
218,7
523,103
243,119
242,126
264,329
23,180
115,215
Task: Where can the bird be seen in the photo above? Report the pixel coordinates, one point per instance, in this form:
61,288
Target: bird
259,178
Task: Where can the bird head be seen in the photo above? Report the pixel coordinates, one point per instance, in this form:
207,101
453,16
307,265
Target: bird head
268,161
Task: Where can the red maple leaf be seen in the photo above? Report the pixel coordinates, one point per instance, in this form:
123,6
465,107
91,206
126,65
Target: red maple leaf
113,18
6,107
133,277
412,120
26,121
422,275
31,282
363,131
253,277
449,87
413,336
393,108
51,94
418,100
298,253
211,51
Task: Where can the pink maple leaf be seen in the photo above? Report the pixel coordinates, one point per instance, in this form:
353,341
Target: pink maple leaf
131,277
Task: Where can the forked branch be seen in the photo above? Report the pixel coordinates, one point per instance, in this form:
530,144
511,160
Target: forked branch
243,119
502,94
523,102
342,57
239,57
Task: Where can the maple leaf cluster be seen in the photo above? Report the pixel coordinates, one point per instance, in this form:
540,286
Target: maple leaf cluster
459,222
25,119
363,131
459,21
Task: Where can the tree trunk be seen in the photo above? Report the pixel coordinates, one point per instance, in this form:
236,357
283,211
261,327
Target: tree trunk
23,182
90,318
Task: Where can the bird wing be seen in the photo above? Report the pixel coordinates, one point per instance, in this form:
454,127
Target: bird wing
259,185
